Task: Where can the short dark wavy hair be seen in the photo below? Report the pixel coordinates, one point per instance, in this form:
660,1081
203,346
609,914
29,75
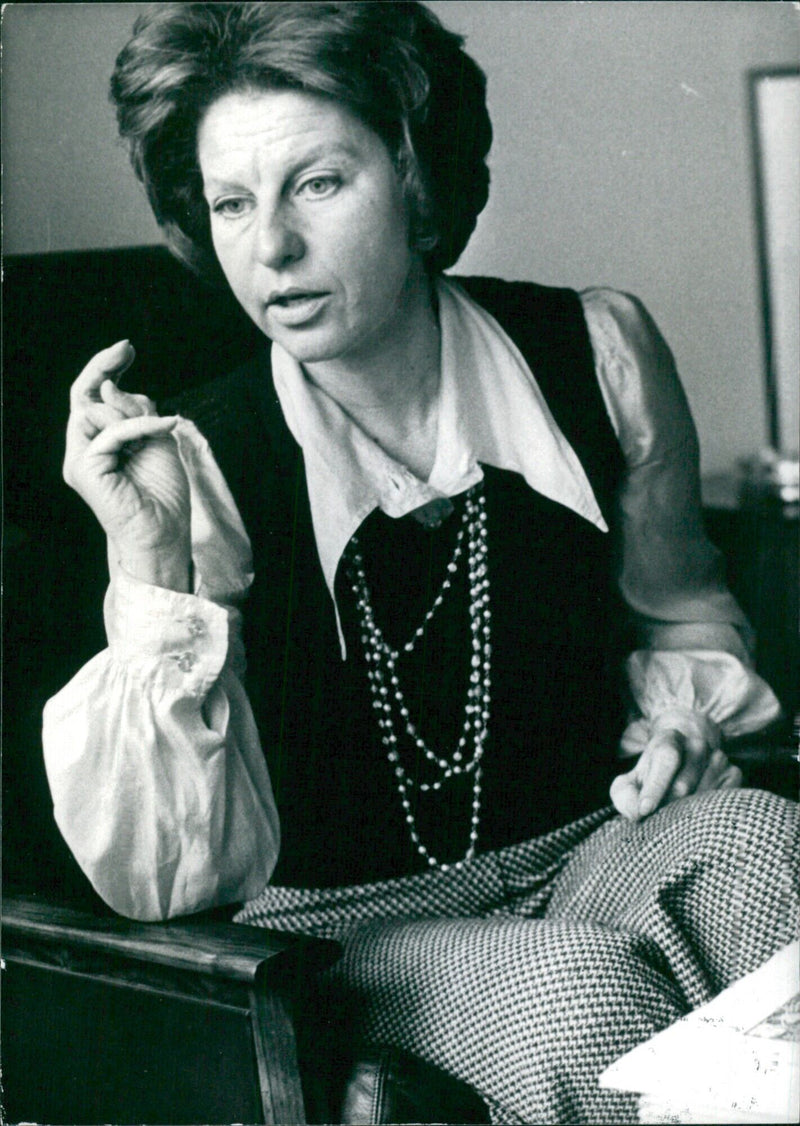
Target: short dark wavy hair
391,64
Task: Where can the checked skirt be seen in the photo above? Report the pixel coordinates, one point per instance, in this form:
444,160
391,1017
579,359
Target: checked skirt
525,972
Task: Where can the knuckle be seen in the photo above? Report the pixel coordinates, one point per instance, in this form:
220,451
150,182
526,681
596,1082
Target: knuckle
620,784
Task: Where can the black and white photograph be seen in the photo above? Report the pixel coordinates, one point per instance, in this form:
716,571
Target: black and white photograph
401,670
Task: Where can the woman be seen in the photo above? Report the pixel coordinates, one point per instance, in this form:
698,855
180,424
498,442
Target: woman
464,504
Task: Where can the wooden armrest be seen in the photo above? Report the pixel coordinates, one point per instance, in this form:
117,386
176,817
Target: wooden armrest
110,1020
227,950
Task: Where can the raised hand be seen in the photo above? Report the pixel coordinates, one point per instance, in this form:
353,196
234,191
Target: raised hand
123,460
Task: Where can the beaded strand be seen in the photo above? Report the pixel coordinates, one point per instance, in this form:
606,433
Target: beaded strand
388,697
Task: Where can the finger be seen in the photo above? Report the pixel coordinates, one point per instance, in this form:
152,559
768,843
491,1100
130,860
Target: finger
99,453
126,402
664,759
96,417
720,775
114,437
91,416
717,767
84,424
624,793
731,779
111,362
696,760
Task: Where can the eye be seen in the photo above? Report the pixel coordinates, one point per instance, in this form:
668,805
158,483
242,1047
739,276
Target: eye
318,187
231,207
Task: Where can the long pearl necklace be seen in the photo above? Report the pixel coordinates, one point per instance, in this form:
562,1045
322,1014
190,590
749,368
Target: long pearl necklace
388,699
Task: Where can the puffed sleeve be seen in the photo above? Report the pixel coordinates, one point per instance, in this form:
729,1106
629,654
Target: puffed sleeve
694,663
159,784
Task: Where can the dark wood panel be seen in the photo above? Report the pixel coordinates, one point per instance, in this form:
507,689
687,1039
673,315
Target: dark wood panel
80,1050
109,1020
276,1056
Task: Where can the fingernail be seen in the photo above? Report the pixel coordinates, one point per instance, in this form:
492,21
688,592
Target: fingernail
123,355
647,805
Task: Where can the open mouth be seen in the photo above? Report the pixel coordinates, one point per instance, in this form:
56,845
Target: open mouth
290,300
294,298
296,307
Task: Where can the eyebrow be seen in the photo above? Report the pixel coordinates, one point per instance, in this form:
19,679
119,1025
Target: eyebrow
322,151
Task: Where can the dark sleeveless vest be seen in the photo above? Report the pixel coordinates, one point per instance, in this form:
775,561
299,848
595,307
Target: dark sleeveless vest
557,637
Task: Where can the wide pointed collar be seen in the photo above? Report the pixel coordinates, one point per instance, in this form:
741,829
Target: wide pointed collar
491,412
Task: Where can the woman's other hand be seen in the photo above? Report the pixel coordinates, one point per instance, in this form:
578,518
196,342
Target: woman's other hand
682,757
123,460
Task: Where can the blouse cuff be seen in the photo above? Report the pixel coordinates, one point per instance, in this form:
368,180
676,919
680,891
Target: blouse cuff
187,635
696,691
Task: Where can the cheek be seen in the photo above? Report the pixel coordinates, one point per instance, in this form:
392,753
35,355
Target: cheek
391,219
233,260
378,253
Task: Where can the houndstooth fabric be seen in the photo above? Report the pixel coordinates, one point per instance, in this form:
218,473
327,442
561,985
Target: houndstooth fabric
525,972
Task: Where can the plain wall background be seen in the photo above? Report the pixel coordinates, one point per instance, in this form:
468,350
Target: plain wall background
622,156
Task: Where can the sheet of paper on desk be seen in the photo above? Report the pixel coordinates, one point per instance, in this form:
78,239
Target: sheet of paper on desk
736,1059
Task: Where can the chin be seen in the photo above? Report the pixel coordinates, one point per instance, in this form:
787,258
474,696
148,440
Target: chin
314,345
307,351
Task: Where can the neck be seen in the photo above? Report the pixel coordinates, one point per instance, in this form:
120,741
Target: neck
391,388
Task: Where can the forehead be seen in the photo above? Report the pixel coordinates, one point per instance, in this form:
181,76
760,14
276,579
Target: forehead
248,129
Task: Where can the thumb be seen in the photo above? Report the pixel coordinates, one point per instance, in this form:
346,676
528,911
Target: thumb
624,793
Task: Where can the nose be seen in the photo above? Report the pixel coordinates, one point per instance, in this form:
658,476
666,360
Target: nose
278,240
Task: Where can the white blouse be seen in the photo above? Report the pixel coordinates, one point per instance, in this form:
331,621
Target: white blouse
159,783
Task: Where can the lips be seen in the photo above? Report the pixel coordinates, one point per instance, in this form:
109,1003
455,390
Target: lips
288,296
295,306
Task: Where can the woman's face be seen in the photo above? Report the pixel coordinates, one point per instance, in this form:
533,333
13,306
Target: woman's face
309,223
